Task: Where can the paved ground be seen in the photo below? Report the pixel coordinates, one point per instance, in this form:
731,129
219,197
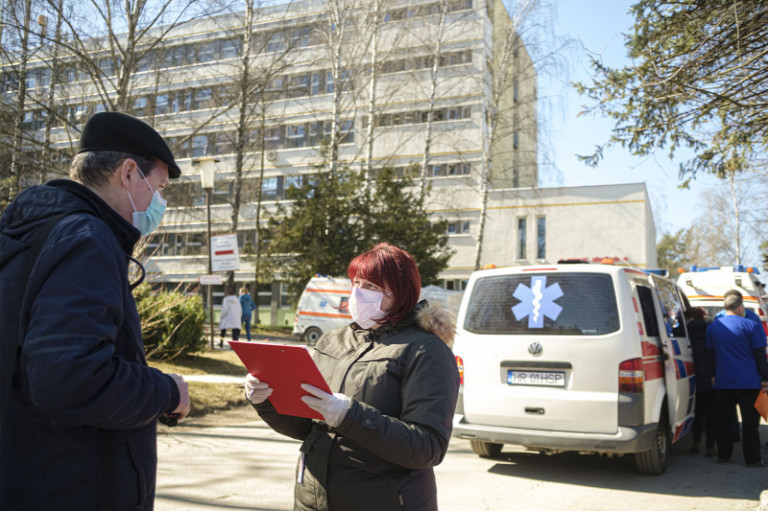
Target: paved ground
233,461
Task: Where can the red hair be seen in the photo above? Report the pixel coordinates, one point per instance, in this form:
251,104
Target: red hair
393,268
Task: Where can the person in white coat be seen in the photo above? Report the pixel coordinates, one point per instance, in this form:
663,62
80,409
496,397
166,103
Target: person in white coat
231,314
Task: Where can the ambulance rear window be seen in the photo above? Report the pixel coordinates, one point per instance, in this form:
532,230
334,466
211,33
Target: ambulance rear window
543,304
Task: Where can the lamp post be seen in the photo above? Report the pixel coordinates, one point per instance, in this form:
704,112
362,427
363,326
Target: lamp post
207,176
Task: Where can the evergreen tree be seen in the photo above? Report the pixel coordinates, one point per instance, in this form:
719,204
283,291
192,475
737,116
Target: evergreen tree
337,216
698,81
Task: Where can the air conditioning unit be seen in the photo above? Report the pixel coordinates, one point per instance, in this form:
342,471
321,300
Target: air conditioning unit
271,155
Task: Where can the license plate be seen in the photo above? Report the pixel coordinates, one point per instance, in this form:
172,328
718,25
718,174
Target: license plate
540,378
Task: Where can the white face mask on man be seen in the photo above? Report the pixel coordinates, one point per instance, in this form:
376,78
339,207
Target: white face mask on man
365,307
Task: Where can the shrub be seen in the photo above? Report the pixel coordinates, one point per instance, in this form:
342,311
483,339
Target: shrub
171,322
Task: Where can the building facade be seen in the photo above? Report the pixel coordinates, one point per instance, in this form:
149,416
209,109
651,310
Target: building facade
446,85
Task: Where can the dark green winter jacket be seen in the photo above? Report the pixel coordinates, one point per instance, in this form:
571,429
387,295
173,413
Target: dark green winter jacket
404,383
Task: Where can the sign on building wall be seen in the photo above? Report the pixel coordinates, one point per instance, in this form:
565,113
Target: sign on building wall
224,253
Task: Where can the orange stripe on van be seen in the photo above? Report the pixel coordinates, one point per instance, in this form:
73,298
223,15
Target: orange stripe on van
653,370
649,349
324,314
339,291
716,297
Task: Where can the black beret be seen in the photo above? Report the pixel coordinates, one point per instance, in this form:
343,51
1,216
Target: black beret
115,131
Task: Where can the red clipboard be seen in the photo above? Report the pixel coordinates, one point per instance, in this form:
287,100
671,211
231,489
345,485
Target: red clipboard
284,368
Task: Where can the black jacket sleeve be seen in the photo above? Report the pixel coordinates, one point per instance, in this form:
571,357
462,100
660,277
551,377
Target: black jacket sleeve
762,362
288,425
419,438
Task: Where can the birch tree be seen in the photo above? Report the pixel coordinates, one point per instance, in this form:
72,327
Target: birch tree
523,48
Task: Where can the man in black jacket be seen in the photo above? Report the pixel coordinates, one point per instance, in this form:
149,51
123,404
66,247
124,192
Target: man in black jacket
79,404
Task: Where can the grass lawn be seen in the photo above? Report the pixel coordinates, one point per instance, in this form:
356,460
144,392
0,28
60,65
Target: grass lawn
208,397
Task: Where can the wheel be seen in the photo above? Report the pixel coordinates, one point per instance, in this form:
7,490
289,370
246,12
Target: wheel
654,460
311,335
486,449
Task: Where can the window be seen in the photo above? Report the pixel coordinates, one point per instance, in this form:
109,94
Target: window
581,304
315,88
273,138
298,86
200,145
461,227
140,106
649,311
295,136
541,237
161,104
32,76
225,143
670,307
181,102
207,51
269,188
203,98
347,132
522,238
292,182
230,48
300,37
276,42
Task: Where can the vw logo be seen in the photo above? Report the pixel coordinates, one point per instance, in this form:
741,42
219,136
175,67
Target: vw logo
535,348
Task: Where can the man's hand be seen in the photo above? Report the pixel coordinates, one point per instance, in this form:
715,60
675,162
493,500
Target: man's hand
184,405
332,407
256,391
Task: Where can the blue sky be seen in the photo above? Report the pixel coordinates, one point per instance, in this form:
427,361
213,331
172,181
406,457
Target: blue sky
597,26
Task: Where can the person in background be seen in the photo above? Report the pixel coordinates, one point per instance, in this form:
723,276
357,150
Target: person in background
79,402
247,305
737,346
231,314
395,384
704,418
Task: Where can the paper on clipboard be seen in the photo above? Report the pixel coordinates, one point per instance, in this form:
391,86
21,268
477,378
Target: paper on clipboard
761,405
284,368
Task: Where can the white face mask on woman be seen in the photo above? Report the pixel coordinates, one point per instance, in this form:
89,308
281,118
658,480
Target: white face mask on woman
365,307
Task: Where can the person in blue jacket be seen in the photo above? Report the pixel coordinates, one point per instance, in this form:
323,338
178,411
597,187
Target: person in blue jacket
737,346
247,304
79,404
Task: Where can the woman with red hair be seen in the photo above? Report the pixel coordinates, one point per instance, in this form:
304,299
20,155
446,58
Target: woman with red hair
395,385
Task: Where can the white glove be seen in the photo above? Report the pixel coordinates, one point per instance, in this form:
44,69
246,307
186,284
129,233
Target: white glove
256,391
332,407
184,405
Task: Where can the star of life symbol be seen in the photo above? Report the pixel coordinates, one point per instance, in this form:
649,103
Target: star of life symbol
537,301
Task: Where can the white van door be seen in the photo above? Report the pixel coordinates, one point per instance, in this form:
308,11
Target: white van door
679,371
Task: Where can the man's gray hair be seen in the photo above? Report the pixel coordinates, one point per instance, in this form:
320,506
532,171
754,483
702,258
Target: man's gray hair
94,168
732,299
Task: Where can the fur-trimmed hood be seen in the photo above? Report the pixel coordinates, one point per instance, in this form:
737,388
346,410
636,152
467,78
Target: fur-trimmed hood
436,319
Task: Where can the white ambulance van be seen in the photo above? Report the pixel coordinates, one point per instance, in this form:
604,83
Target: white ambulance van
705,288
574,357
322,307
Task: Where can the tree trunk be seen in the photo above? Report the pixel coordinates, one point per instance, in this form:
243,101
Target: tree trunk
432,99
17,149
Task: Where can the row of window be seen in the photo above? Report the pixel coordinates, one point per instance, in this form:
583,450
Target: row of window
291,136
194,243
427,10
434,170
453,58
453,113
541,238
